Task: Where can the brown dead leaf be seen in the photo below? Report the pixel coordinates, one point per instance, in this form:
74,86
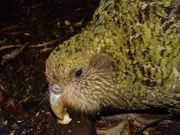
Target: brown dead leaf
120,129
5,123
67,22
146,133
10,103
12,133
137,123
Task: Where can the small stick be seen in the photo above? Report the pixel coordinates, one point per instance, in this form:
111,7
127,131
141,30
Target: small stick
13,54
10,27
44,44
9,46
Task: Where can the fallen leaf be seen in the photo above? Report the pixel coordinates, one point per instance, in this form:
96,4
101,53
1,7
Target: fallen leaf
67,22
120,129
12,133
10,103
5,123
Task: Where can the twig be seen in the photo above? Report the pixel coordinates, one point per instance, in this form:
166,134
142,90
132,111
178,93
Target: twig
43,50
10,27
13,54
9,46
44,44
32,46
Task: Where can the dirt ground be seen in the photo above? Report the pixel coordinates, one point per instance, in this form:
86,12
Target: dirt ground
29,31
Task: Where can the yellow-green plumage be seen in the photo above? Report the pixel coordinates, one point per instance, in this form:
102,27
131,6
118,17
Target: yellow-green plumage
130,57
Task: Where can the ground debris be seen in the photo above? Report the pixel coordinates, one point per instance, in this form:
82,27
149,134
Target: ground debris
12,55
139,125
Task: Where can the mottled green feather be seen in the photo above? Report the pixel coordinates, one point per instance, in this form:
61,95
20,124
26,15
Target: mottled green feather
142,41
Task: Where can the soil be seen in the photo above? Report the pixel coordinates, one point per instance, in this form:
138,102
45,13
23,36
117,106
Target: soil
29,31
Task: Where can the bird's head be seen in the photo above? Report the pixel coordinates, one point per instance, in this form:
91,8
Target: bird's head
82,80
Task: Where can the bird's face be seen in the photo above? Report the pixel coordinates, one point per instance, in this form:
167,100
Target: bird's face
80,82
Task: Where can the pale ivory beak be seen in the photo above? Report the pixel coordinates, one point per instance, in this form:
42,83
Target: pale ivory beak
59,109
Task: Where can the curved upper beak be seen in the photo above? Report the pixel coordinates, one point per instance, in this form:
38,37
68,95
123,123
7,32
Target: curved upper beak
58,107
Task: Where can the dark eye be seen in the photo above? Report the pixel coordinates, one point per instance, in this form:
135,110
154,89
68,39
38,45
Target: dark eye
78,73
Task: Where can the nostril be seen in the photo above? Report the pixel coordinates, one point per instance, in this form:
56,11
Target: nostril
56,89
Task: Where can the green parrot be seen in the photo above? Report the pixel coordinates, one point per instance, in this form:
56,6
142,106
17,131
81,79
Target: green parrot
127,58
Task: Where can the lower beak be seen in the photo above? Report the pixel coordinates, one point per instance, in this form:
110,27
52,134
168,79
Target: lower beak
58,107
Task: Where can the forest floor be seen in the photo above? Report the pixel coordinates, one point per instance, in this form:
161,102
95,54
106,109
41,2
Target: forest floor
29,31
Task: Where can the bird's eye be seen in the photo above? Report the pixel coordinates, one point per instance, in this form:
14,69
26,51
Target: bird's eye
78,73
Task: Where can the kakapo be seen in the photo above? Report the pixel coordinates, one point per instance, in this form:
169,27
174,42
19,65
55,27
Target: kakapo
127,57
